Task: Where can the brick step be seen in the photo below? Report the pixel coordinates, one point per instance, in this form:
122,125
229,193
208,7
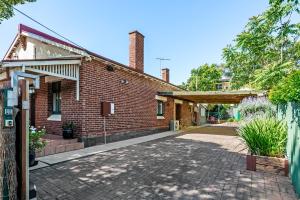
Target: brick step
56,147
60,142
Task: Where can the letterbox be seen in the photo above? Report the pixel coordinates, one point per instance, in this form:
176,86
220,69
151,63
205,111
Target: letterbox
107,108
9,101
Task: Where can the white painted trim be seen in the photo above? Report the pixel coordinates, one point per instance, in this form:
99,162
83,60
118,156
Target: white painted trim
177,101
40,62
12,46
77,83
54,117
69,71
51,74
160,117
72,49
161,98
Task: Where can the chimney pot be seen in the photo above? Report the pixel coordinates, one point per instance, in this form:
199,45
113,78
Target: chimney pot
165,73
136,51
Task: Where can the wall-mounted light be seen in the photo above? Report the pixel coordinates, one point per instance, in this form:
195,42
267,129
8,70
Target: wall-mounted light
31,90
124,81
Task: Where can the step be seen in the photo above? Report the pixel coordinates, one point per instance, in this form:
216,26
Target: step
61,141
54,148
69,147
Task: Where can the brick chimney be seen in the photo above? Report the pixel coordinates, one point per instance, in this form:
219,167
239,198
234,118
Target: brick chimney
136,51
165,73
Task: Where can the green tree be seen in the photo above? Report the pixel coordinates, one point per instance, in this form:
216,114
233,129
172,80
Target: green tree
287,90
268,48
183,85
204,78
6,7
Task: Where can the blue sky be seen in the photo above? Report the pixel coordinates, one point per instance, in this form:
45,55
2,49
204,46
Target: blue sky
189,32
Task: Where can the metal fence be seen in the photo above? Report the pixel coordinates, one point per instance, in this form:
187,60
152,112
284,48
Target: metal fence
291,114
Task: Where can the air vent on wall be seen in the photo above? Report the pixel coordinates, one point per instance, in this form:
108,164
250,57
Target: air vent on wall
110,68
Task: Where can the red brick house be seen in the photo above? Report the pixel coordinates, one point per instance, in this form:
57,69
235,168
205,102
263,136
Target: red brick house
74,82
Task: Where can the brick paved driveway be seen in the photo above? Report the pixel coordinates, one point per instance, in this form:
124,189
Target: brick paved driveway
190,166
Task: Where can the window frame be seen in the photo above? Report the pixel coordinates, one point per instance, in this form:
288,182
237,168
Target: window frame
56,98
160,107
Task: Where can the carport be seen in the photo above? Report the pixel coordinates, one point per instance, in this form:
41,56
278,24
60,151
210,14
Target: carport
212,97
209,97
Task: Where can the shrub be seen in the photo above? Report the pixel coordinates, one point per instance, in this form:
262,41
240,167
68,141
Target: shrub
231,120
251,107
287,90
35,139
68,125
265,136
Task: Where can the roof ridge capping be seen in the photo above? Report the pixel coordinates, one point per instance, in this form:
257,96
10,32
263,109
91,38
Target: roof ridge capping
24,28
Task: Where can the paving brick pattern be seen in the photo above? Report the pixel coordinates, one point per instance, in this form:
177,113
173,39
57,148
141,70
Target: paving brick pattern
191,166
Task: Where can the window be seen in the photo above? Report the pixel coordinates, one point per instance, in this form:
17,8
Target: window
56,93
219,86
160,108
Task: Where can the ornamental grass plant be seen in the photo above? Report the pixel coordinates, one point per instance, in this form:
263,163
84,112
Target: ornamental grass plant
265,136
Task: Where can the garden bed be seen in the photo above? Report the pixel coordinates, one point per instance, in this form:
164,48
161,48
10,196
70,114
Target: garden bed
267,164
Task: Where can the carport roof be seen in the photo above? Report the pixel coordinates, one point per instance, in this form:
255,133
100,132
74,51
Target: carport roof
224,97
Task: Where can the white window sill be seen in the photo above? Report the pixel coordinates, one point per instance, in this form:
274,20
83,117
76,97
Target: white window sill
160,117
54,117
160,98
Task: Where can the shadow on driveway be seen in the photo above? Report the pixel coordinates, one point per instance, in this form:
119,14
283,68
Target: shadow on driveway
189,166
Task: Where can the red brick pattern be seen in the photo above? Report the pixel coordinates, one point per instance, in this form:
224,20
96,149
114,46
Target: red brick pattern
43,109
136,51
56,144
165,74
135,103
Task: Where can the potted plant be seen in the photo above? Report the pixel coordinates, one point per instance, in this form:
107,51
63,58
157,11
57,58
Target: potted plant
68,130
266,139
36,143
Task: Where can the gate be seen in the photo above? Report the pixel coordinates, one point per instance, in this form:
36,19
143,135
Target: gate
291,114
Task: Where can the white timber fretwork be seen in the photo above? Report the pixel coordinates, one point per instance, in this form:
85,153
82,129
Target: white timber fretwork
60,69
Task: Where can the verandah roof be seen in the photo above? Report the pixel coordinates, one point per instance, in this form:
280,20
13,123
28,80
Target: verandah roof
214,97
64,68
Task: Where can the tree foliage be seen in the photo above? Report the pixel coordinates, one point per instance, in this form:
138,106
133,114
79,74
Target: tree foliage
268,48
6,7
204,78
287,90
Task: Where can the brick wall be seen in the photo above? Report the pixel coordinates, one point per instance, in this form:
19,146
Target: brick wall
186,114
135,103
70,108
43,109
